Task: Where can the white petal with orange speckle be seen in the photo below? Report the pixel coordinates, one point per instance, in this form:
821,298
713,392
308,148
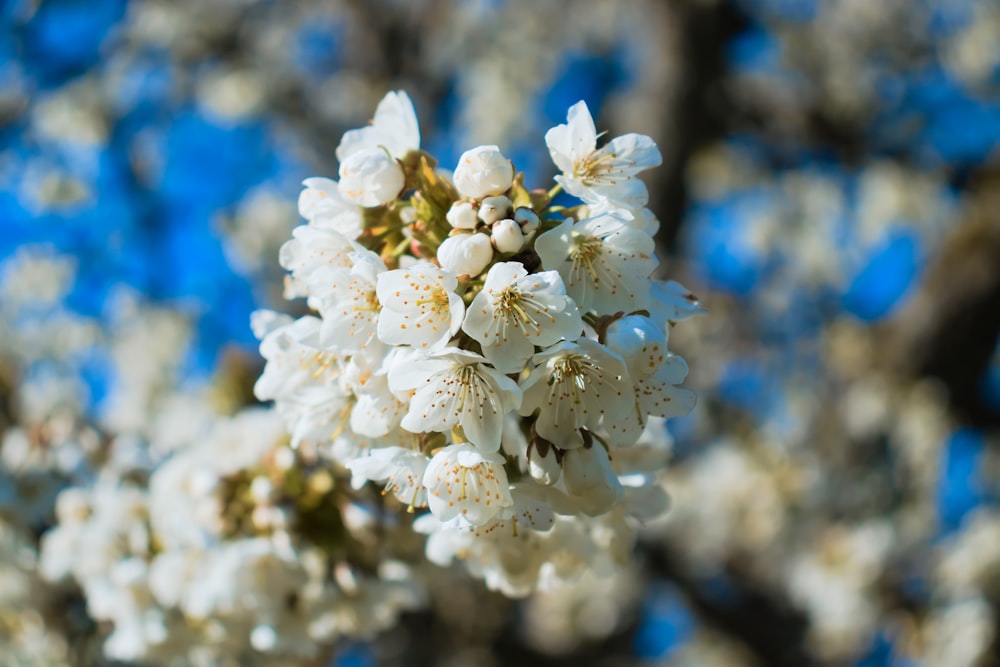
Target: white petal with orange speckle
377,411
516,311
574,386
401,469
657,395
455,387
419,306
640,341
605,264
463,481
348,303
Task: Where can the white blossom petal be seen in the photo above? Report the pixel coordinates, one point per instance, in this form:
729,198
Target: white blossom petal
402,469
419,306
454,388
515,311
604,175
394,127
321,204
604,263
462,481
574,386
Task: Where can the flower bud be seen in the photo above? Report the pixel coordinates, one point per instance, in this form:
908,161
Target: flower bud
493,209
527,218
507,236
466,253
590,480
640,341
370,178
462,215
544,468
483,171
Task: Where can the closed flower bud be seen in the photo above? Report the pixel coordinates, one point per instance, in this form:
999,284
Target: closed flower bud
590,480
507,236
462,215
527,218
370,178
466,253
493,209
640,341
483,171
544,468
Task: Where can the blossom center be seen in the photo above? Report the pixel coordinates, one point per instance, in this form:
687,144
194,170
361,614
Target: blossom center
369,303
593,166
437,299
508,299
584,254
576,373
322,363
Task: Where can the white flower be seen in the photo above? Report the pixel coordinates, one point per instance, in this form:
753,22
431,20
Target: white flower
606,174
656,395
530,510
419,306
672,302
462,215
659,395
303,380
293,359
377,411
463,481
403,470
574,386
507,236
444,541
455,387
515,311
370,177
309,249
394,128
321,204
348,303
590,480
640,341
483,171
466,254
369,172
605,264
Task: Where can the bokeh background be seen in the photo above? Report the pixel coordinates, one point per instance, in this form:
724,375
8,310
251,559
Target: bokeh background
830,190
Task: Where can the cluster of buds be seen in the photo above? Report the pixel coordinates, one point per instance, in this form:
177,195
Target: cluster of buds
482,352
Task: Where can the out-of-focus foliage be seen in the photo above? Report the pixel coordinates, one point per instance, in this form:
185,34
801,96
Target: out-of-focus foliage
829,192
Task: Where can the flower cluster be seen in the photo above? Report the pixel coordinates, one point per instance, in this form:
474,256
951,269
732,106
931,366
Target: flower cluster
210,561
481,351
